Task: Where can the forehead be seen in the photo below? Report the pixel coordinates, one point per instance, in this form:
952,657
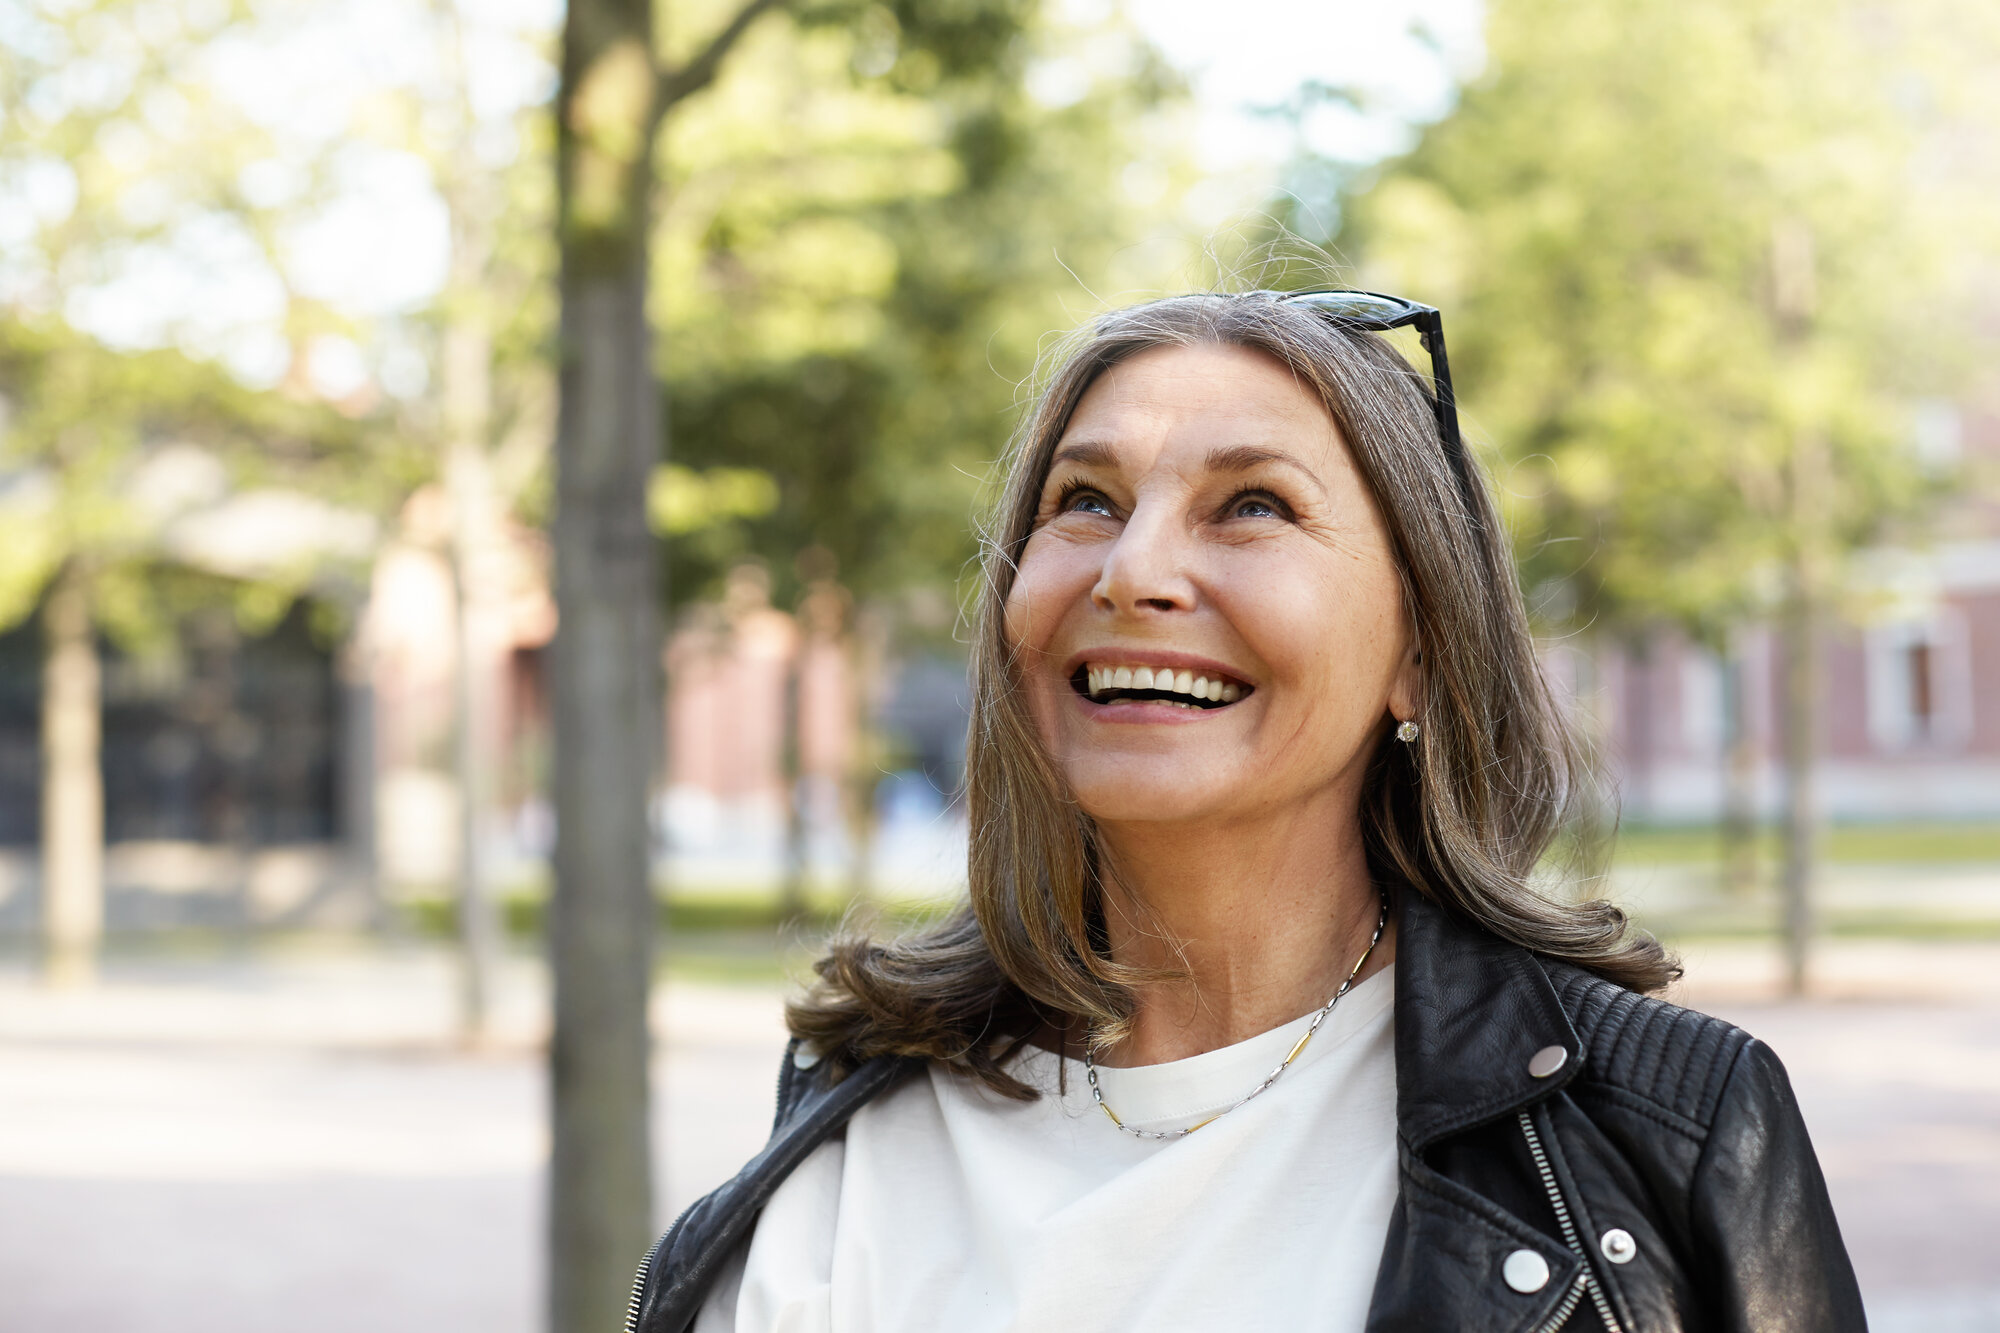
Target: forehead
1170,401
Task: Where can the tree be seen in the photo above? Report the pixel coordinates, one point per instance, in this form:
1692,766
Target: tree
481,426
94,529
848,215
1664,234
867,235
601,918
606,652
868,232
120,168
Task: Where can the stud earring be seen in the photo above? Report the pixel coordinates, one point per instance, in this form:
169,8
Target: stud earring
1406,730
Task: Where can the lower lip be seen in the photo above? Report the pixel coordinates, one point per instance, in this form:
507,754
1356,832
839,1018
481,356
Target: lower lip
1146,712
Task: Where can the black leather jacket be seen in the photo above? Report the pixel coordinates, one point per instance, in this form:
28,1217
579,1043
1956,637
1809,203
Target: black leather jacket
1573,1156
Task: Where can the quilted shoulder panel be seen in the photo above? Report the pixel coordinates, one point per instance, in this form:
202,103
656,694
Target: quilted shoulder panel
1673,1057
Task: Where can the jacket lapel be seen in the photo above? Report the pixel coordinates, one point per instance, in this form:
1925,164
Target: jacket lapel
1471,1011
1442,1262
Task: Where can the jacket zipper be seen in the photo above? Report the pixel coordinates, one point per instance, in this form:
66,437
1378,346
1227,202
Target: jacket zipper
1567,1308
1586,1279
638,1295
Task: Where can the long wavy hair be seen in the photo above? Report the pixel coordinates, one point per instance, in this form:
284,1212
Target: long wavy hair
1463,816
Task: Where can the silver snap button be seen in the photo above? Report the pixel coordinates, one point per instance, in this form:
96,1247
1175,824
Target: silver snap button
1547,1061
805,1057
1618,1245
1525,1271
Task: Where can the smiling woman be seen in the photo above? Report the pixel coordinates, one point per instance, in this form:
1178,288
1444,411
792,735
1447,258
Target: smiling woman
1255,1018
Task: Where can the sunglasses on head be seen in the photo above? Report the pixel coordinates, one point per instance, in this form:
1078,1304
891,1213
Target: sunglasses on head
1374,312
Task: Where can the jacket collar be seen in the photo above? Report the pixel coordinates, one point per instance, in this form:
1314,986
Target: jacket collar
1471,1011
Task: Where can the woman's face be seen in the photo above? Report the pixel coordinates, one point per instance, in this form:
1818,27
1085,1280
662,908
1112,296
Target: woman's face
1209,619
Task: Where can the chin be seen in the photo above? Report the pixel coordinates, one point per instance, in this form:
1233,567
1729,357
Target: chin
1142,793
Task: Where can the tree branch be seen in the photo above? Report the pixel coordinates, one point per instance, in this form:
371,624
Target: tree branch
699,72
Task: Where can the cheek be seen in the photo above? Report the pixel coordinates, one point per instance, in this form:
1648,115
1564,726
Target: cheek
1045,588
1333,630
1053,581
1032,614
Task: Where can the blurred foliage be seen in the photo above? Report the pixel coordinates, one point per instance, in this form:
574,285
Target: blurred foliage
125,452
120,464
493,172
1671,239
869,226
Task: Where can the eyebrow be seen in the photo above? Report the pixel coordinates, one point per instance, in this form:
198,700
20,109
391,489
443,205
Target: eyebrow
1230,458
1246,457
1225,458
1086,453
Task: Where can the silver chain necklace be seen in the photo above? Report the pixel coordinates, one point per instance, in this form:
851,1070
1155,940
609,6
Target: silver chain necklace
1097,1093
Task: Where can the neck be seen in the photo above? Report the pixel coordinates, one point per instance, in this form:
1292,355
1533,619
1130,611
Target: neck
1261,921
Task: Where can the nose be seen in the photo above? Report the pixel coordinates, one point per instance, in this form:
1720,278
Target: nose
1145,568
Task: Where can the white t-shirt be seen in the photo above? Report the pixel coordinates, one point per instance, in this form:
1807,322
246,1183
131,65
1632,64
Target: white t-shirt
949,1207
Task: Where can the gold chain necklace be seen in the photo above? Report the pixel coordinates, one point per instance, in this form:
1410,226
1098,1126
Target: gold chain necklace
1097,1093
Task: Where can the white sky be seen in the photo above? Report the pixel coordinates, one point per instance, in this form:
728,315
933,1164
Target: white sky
1251,53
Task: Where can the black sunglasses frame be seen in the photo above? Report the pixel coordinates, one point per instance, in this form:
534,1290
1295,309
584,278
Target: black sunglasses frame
1429,325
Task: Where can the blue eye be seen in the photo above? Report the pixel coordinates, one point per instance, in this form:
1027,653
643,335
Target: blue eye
1082,500
1256,505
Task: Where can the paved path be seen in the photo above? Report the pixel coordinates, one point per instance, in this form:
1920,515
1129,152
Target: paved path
1904,1104
289,1139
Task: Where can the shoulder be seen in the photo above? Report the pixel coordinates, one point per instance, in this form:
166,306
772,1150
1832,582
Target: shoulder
816,1097
1675,1060
813,1106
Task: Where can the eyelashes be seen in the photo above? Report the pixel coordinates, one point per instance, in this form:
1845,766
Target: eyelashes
1278,508
1075,489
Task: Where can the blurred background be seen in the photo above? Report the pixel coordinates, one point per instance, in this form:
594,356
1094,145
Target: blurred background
279,310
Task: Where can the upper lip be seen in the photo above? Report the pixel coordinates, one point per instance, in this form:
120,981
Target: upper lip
1111,655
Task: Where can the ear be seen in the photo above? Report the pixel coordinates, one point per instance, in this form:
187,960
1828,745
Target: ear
1406,691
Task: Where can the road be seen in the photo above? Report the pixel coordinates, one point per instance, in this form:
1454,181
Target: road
227,1143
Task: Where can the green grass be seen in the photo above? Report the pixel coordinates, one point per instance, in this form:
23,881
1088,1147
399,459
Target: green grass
718,935
1924,843
1680,929
736,934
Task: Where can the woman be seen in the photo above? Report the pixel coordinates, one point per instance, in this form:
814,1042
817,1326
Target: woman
1255,1018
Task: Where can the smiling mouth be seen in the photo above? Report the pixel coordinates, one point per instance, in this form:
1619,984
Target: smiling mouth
1108,683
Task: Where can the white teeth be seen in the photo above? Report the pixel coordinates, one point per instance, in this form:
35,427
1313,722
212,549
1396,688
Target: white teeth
1099,679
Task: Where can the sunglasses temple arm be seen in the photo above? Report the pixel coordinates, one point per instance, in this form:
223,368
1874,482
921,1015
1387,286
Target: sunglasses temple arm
1445,401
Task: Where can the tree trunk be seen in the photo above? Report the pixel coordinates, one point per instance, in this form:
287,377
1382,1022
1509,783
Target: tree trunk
72,786
872,632
1794,303
1804,685
472,710
466,400
1739,777
792,878
356,789
604,667
1635,707
1802,818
